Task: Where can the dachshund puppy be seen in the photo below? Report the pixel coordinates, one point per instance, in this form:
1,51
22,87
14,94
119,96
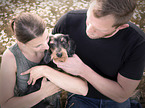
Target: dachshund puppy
60,48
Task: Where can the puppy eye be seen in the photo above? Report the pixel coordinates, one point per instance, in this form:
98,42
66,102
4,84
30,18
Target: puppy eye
63,41
51,42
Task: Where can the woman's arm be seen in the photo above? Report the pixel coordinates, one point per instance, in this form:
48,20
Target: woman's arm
8,80
69,83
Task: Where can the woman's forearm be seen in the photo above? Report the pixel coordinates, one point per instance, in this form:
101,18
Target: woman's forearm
31,99
69,83
24,101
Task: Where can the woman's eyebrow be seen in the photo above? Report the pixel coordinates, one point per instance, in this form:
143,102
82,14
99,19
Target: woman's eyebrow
38,45
41,44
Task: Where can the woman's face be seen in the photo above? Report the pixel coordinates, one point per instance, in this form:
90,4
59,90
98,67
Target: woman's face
39,44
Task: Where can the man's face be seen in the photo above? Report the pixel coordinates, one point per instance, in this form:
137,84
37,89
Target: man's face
99,27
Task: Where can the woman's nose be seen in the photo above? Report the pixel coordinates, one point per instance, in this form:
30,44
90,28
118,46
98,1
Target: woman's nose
46,46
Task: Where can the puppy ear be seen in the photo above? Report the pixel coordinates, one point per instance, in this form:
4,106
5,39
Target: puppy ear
65,35
71,48
47,57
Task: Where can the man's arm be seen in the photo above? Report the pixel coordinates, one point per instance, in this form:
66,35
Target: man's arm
118,91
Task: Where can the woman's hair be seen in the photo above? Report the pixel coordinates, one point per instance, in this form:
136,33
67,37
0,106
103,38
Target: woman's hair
27,26
122,10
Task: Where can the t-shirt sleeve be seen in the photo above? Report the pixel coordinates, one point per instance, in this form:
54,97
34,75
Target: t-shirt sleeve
133,66
61,26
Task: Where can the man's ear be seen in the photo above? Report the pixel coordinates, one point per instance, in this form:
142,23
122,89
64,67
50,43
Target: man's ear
123,26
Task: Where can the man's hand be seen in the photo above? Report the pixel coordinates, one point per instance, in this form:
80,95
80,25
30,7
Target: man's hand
72,65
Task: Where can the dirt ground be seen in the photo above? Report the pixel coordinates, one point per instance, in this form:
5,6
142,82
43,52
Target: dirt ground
141,89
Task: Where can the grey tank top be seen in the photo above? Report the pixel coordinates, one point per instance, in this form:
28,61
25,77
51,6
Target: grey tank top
23,64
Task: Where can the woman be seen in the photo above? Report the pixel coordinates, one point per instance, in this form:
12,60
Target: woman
32,38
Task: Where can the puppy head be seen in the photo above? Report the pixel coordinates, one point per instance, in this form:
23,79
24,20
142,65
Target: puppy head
61,47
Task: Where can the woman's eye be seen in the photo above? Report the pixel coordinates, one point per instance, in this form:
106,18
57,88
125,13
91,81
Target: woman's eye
38,46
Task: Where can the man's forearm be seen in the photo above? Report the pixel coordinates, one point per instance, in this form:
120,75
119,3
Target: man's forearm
109,88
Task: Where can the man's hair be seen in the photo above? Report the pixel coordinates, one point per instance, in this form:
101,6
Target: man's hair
122,10
27,26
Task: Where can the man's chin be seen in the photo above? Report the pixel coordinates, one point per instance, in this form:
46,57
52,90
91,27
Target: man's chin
97,37
93,36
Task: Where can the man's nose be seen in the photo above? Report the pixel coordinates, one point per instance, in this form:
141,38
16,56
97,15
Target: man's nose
89,29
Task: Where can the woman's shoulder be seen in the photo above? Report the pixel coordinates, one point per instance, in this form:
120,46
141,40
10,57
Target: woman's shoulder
9,52
8,62
8,55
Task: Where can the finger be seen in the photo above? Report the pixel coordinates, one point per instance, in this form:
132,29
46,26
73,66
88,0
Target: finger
54,61
26,72
60,66
29,81
75,56
62,63
33,81
44,79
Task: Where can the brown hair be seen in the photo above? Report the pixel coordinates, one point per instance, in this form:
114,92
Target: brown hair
27,26
122,10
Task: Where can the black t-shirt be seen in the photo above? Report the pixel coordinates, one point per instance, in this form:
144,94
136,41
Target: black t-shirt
123,53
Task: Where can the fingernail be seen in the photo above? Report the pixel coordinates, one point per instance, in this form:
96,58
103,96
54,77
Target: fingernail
28,83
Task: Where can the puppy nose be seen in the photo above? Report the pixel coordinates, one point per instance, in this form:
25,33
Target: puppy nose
59,54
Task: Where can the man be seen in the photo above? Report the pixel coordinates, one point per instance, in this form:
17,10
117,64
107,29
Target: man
110,52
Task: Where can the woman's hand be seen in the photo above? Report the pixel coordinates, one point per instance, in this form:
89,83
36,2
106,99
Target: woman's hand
35,73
